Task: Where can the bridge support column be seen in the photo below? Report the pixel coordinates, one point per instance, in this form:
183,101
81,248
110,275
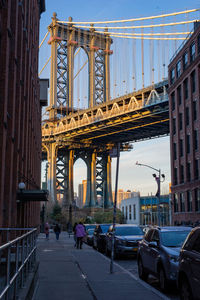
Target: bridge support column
108,52
108,202
70,191
92,71
91,197
51,177
53,79
70,61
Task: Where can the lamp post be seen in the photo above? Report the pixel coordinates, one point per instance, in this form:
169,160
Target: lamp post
158,180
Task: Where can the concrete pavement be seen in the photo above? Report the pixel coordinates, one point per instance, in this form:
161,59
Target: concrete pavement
73,274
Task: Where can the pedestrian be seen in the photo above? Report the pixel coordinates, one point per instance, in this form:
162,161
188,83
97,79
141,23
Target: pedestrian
80,233
57,231
46,230
74,231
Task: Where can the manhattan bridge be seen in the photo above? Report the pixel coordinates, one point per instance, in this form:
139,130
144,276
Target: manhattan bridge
117,93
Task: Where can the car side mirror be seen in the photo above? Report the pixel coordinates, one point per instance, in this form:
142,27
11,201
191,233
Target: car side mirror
153,244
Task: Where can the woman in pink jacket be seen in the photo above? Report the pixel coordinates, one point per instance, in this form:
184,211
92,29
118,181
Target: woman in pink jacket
80,233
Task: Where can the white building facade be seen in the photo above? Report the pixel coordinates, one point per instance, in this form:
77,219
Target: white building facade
131,209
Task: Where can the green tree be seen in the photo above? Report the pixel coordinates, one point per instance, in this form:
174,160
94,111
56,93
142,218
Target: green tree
107,217
56,214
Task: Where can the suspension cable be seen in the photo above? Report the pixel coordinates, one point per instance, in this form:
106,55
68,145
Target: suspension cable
151,34
44,66
146,38
131,20
141,26
81,68
44,39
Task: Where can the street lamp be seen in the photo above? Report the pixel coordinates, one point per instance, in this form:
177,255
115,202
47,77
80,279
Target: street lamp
158,180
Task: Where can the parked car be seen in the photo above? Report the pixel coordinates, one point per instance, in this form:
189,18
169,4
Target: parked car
158,253
189,267
89,226
89,236
126,239
99,239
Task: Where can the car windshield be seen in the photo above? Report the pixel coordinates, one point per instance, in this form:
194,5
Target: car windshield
104,228
128,231
173,238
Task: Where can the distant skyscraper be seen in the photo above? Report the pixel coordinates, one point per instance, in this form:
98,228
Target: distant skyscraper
82,191
121,194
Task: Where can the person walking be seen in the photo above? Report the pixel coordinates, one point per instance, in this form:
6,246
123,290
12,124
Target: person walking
46,230
80,233
74,231
57,231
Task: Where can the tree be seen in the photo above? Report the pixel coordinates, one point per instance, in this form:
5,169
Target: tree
56,214
107,217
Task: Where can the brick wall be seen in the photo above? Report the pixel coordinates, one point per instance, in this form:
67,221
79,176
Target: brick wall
20,112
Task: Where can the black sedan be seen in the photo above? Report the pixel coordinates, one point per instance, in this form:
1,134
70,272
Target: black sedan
126,239
99,238
189,267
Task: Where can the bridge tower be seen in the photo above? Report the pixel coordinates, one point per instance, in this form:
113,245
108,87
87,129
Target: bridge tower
64,41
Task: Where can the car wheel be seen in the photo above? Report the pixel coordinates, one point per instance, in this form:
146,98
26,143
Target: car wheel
141,271
185,290
162,279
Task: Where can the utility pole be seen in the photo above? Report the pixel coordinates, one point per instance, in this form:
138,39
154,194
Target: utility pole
114,209
158,180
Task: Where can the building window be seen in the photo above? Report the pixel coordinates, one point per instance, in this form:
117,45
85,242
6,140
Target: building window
175,203
188,143
187,115
188,172
130,212
182,174
182,202
172,76
180,121
194,106
195,139
173,100
197,199
178,69
196,168
174,126
126,216
179,95
123,210
192,52
193,81
181,147
185,87
175,176
189,201
185,60
134,212
175,152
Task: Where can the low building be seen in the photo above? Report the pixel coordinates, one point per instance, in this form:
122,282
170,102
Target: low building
131,209
149,210
144,210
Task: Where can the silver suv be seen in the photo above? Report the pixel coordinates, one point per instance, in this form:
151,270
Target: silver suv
158,253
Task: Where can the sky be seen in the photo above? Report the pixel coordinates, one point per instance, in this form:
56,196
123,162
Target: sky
155,152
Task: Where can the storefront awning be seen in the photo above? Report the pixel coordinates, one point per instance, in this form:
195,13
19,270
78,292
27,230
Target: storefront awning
32,195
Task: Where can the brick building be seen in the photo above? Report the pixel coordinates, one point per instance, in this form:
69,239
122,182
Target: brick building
20,111
184,108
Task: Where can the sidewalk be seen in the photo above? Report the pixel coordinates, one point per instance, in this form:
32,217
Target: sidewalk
67,273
